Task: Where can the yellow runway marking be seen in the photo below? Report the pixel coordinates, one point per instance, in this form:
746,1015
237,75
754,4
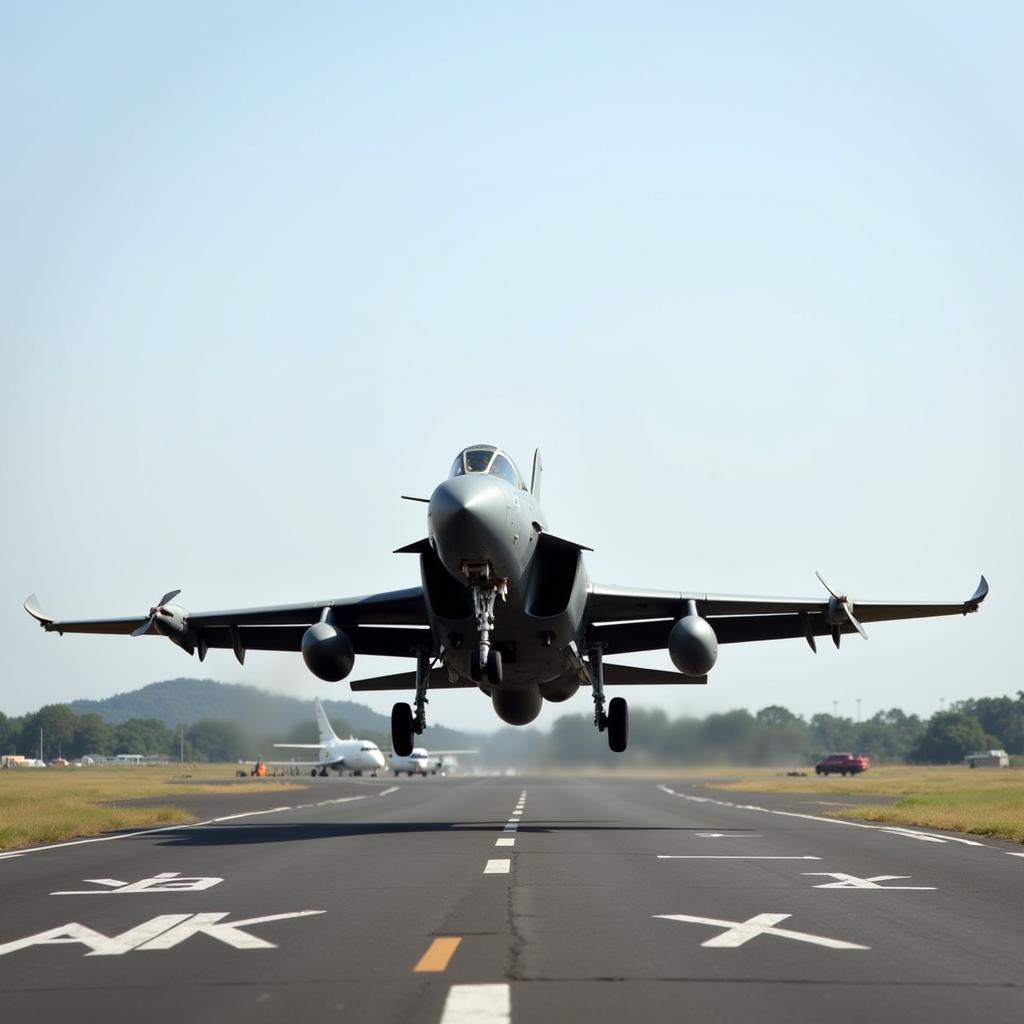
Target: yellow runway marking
438,955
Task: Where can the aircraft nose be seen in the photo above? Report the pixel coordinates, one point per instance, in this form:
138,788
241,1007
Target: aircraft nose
468,521
457,503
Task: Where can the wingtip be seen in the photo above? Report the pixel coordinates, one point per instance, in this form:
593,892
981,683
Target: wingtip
979,595
34,609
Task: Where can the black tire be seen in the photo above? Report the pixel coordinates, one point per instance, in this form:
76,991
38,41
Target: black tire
313,773
618,724
401,729
476,672
494,670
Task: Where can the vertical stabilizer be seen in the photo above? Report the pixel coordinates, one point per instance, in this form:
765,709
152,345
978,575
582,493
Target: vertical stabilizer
538,468
327,734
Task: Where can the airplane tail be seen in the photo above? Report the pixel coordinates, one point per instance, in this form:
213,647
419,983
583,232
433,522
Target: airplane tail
327,733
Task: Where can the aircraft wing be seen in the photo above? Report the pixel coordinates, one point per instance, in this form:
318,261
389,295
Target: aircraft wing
388,624
640,620
336,763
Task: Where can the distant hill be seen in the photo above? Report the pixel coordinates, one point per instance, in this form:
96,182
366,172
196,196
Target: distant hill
185,701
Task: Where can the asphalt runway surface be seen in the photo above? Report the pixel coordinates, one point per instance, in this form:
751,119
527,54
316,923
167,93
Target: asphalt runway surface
525,899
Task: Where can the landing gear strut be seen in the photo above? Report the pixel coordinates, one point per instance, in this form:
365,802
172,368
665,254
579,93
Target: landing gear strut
404,722
485,591
616,720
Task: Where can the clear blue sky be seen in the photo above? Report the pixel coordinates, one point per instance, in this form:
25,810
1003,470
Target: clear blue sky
749,274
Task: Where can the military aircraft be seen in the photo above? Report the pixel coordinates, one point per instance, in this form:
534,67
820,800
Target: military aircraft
506,606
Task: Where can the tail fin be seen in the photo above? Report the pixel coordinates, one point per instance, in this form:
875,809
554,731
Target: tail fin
538,468
327,733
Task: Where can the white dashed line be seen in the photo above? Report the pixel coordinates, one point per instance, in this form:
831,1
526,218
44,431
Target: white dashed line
477,1004
384,792
498,867
504,842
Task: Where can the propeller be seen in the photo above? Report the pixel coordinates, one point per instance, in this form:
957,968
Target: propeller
847,605
159,607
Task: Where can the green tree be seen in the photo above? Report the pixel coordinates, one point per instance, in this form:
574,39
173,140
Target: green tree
948,737
777,715
1002,717
58,723
218,741
92,736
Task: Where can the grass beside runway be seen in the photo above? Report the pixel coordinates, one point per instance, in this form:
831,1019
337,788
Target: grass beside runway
982,801
53,804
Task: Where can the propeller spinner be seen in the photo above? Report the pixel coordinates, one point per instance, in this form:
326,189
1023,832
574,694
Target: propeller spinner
843,603
159,609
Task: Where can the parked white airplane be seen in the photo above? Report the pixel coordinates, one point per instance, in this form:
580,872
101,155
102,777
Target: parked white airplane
422,761
356,756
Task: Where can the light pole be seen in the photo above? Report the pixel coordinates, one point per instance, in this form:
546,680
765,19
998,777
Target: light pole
835,709
858,709
942,703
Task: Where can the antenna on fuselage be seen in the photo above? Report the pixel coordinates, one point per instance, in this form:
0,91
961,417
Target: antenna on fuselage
538,468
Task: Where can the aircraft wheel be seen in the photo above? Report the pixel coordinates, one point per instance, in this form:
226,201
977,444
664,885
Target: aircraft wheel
401,729
313,773
618,724
475,670
494,673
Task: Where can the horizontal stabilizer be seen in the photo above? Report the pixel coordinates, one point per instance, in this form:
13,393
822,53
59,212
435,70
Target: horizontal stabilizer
407,681
299,746
625,675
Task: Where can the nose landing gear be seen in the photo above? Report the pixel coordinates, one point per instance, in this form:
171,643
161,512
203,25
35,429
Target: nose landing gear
485,590
616,720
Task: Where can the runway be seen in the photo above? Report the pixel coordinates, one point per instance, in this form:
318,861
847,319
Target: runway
525,899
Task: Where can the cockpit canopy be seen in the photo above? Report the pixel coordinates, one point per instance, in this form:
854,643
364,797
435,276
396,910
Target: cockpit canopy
485,458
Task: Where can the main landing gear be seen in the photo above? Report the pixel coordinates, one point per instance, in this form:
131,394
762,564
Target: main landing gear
616,720
404,722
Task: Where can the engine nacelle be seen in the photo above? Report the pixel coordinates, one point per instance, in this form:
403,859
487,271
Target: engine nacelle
327,652
693,646
518,706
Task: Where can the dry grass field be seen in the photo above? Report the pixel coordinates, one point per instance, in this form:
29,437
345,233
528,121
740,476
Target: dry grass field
982,801
46,805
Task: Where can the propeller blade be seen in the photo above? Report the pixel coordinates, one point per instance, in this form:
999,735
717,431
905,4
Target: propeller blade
826,586
848,608
147,625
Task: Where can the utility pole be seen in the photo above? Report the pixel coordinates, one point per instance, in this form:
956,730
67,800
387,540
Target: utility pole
835,709
41,743
858,709
181,743
942,703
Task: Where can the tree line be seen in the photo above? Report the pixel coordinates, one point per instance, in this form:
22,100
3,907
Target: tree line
776,736
65,734
773,735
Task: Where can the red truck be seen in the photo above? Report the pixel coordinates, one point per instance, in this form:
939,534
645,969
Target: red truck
842,763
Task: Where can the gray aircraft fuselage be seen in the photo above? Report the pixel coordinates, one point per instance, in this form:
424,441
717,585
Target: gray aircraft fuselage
487,532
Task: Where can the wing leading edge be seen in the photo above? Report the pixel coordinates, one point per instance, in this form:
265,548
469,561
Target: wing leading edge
640,620
389,624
